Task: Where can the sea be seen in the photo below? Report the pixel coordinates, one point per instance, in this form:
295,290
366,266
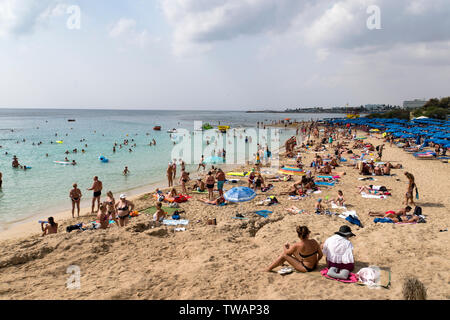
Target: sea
32,135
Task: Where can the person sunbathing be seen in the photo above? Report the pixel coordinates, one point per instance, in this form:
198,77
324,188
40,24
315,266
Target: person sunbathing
217,202
386,170
51,227
294,190
172,193
102,216
399,216
334,163
303,256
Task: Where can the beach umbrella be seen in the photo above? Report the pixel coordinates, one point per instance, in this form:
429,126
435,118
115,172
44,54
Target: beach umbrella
213,160
239,194
292,171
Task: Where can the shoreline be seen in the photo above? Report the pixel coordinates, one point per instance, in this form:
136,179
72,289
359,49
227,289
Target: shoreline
28,226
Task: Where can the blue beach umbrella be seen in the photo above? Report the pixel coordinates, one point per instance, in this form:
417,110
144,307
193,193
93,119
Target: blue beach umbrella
239,194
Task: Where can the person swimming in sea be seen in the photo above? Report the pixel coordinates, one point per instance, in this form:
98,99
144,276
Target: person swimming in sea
126,171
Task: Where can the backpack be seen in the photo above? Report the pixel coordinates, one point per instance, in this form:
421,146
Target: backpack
418,211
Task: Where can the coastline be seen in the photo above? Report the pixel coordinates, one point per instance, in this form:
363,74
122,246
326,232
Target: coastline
29,226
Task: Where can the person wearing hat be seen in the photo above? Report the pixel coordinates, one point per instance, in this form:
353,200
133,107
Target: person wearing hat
339,250
123,209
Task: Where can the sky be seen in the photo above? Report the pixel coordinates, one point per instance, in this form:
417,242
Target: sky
222,54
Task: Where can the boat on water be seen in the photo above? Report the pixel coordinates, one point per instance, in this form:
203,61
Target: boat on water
223,129
71,120
207,126
172,131
157,128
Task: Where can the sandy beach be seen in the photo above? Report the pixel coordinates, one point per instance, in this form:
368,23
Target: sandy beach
225,261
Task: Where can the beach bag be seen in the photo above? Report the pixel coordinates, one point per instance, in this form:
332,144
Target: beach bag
174,205
418,211
176,215
74,227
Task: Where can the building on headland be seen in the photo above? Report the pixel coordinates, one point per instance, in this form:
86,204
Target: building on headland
414,104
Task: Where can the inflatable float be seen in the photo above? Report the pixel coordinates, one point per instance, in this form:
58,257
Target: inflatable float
238,174
60,141
64,163
103,159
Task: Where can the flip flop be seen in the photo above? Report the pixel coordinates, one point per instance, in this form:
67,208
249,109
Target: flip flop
285,270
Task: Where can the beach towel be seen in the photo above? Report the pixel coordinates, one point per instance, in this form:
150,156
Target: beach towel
196,191
372,196
353,278
323,183
168,222
383,220
263,213
354,220
335,206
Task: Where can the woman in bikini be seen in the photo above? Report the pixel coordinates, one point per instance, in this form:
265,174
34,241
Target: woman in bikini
111,206
303,256
124,207
102,216
409,193
75,196
183,179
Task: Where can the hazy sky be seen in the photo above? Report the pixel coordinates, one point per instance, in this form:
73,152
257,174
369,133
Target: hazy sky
221,54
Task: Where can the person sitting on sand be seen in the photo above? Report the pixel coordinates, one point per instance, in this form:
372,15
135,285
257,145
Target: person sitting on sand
259,182
172,193
334,163
199,185
340,201
51,227
102,216
339,250
159,215
303,255
111,206
386,170
217,202
377,171
251,178
326,169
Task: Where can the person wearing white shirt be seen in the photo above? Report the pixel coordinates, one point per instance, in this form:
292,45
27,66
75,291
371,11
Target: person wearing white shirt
339,250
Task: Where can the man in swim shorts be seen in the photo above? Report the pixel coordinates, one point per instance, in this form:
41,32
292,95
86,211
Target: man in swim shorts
97,187
220,177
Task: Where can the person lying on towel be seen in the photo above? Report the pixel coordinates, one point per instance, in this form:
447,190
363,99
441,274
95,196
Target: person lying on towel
217,202
399,216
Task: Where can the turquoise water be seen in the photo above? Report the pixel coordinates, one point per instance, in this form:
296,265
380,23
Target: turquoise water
46,186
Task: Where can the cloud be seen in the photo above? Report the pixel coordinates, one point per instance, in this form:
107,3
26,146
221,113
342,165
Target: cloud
319,24
126,30
23,16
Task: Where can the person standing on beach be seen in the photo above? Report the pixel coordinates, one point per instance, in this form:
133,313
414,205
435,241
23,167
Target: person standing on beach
75,195
97,187
220,176
202,164
183,180
210,181
111,206
174,168
170,174
124,207
409,197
